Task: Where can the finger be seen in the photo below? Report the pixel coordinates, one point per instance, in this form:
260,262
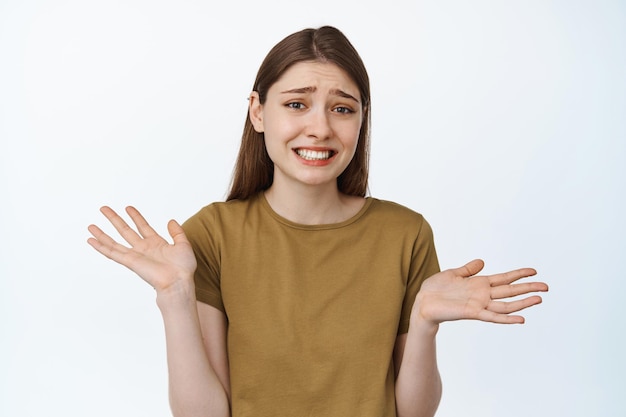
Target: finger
142,224
506,291
176,232
120,225
502,307
493,317
106,245
511,276
469,269
102,238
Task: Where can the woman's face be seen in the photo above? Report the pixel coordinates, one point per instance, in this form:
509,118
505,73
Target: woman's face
311,121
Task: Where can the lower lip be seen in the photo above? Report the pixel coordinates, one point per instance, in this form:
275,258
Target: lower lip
315,162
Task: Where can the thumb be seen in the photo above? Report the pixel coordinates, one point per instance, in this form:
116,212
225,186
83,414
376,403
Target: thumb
471,268
176,232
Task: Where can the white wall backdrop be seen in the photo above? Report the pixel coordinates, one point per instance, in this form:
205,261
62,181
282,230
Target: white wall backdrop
503,122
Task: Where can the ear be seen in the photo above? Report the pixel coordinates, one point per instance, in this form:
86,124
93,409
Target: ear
255,111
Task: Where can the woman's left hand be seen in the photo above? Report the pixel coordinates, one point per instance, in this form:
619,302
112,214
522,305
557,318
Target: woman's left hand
457,294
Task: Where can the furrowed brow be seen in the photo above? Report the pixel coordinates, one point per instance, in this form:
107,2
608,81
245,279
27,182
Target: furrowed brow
308,90
302,90
343,94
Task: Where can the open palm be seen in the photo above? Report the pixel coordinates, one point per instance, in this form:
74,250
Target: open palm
457,294
150,256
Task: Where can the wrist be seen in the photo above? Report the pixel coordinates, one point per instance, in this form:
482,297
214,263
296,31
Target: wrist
422,326
180,293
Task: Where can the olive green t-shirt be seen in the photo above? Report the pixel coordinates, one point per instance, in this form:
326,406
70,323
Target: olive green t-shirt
313,310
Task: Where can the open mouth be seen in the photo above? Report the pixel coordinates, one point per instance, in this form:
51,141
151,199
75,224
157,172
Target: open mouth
311,155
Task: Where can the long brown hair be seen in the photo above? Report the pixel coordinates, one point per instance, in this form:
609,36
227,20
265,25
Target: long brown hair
254,170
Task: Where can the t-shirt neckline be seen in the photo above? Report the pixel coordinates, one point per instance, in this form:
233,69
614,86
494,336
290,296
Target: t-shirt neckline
266,205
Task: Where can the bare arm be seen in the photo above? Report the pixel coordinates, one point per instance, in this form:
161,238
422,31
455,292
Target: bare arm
454,294
418,383
195,387
214,326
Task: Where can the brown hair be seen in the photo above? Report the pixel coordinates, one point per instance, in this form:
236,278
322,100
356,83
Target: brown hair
254,170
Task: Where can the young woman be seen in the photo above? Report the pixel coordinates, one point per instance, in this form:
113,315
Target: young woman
299,295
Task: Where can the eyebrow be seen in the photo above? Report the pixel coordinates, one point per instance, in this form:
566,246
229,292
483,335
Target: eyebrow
308,90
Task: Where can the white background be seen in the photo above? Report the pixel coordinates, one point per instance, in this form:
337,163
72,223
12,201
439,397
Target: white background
503,122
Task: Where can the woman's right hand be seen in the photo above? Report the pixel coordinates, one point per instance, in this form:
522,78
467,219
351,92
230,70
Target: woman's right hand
162,265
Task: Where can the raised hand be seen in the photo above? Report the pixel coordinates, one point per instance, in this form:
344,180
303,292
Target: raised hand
159,263
457,294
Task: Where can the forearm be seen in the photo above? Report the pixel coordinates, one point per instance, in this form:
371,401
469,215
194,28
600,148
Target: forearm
418,383
194,387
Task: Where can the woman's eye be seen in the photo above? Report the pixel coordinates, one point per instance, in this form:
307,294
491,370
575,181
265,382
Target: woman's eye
344,110
295,105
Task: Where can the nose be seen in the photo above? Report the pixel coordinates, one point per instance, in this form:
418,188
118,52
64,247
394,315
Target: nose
318,124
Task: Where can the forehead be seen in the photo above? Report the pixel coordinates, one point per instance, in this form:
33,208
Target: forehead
322,75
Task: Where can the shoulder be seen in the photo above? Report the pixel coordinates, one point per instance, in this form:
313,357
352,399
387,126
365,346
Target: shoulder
220,214
399,219
223,210
394,211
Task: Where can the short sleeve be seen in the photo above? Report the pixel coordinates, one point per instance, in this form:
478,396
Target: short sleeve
424,263
203,233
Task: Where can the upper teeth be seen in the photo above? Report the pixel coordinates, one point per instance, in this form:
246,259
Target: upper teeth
313,155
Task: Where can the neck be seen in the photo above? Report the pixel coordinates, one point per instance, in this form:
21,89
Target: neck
306,204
